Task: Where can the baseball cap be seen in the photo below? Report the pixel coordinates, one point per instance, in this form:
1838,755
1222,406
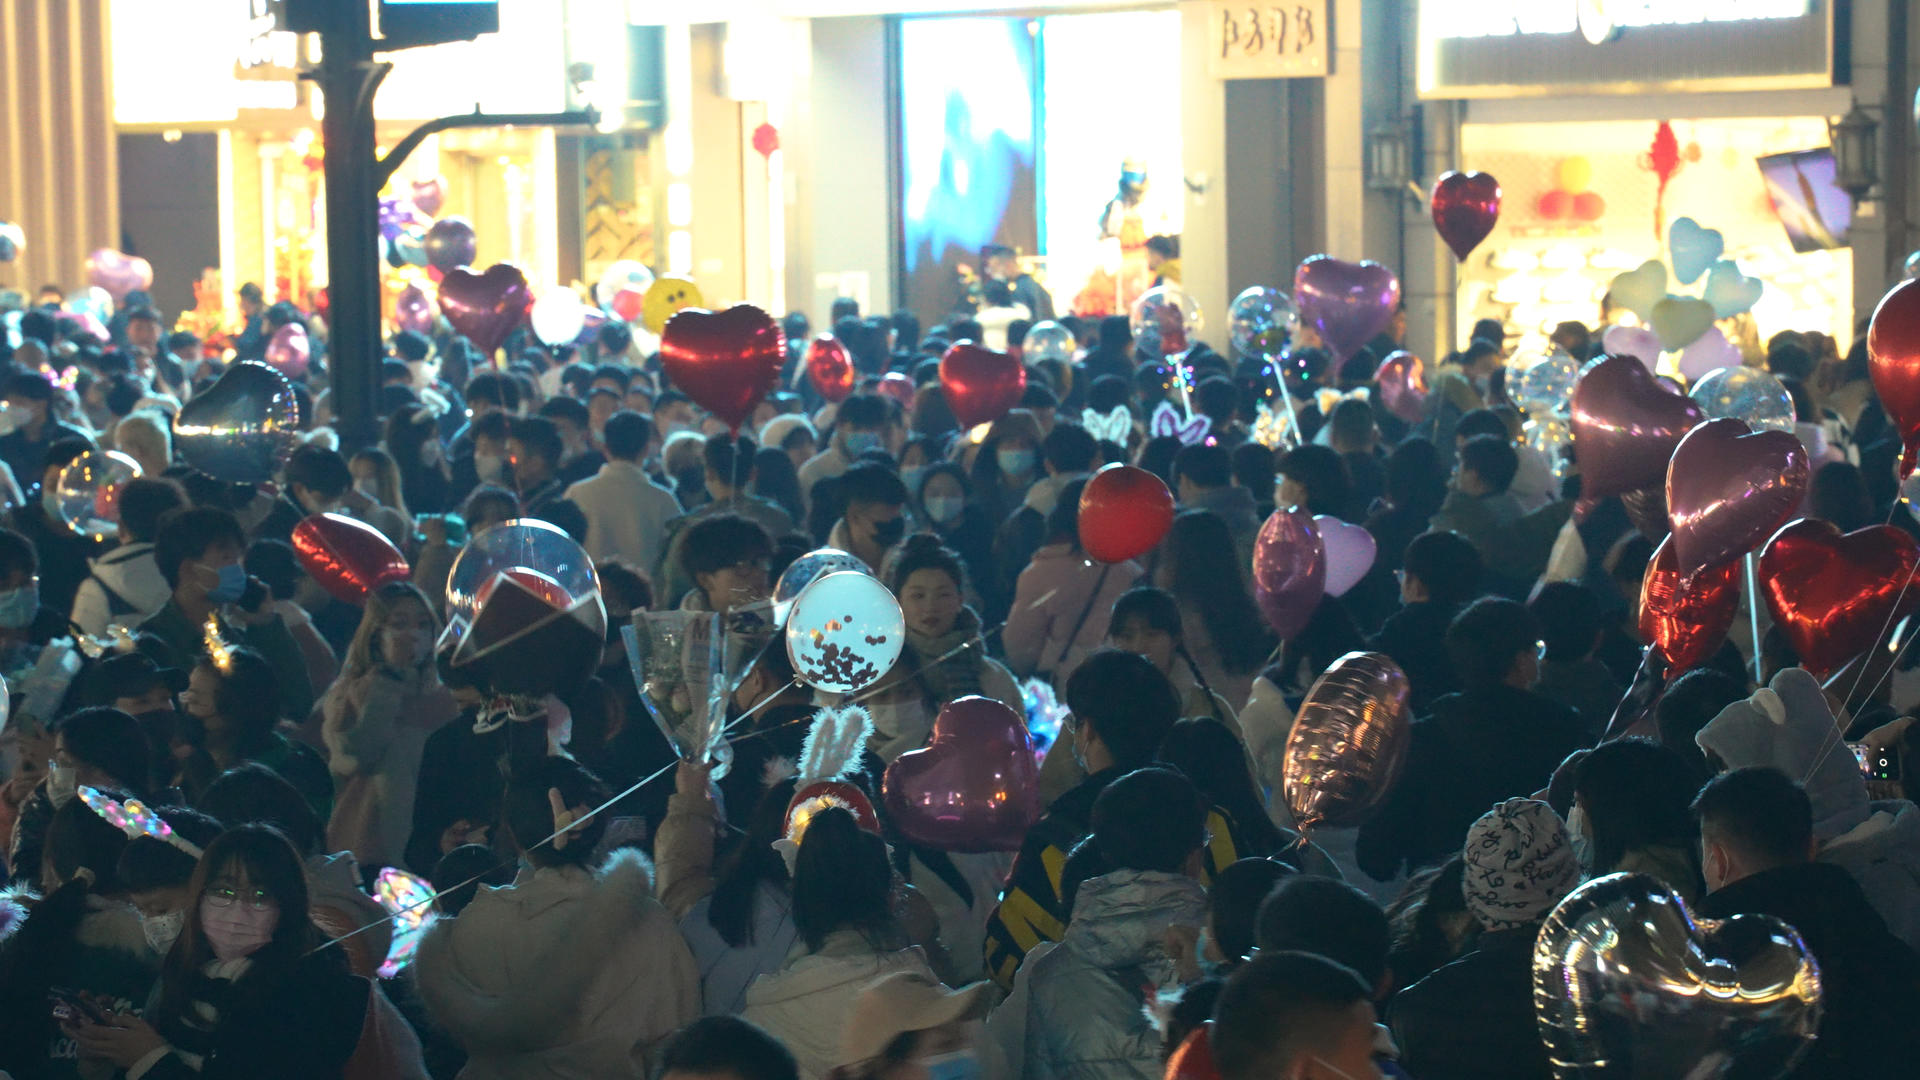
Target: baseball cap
132,674
901,1002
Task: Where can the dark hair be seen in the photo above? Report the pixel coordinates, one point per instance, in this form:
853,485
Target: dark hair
1149,819
1790,360
1069,448
721,540
614,337
775,478
1157,454
1484,640
1447,564
457,877
108,740
1038,395
1213,585
1235,899
1329,918
1063,524
1217,399
863,411
1635,794
1838,493
147,864
1129,703
1276,1008
1421,942
1570,620
870,483
752,862
489,497
540,436
1208,752
1477,422
30,385
320,470
724,454
841,880
1107,393
1690,704
924,551
1321,471
1493,459
274,563
1207,466
252,792
248,695
187,533
529,814
495,388
1157,606
627,434
1254,468
1760,811
17,554
727,1046
143,502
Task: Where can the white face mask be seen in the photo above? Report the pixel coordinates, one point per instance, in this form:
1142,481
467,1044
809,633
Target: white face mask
369,488
19,606
491,467
163,930
945,508
63,782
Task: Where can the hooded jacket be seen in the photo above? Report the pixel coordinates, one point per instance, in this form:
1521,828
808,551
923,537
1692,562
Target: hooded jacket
564,973
806,1002
125,586
1086,1006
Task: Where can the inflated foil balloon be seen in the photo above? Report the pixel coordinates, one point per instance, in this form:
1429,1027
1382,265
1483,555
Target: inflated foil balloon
829,368
1465,207
1626,424
1350,552
1679,321
898,387
1047,341
1124,513
1729,292
1833,595
288,351
347,557
486,307
414,310
1346,303
622,274
1893,359
1347,742
557,316
1546,385
726,361
118,273
1193,1058
1165,322
1748,394
1551,437
450,243
524,615
1261,321
669,295
802,572
1686,618
975,787
1402,381
1626,982
241,429
1289,570
844,632
88,492
982,385
1729,488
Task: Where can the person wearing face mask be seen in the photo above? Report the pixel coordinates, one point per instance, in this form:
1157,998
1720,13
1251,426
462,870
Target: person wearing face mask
580,458
26,621
99,748
414,441
1629,814
875,518
906,1026
246,991
487,461
1005,465
156,875
377,494
861,425
488,393
415,350
534,449
943,507
379,713
132,683
29,399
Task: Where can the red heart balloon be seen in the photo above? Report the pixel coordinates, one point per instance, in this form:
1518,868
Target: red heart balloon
1402,379
1686,618
1626,424
486,307
1834,595
1729,488
1465,206
898,387
1124,513
1193,1058
981,384
1893,359
975,787
829,368
348,558
726,361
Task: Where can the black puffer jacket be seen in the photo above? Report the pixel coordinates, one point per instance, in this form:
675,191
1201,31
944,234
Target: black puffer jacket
1473,1018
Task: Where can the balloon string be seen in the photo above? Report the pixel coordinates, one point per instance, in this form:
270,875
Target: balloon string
1846,703
1753,615
1832,741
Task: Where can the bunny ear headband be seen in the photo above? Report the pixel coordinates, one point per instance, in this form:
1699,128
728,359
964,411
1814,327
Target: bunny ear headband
1189,429
133,818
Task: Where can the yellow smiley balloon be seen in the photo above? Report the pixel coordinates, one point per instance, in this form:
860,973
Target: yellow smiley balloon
668,294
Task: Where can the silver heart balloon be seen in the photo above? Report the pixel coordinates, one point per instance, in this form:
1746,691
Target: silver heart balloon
1627,983
242,428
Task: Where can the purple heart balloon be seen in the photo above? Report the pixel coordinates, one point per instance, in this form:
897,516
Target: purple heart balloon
430,195
117,273
1347,303
1729,488
486,307
1626,424
415,310
1289,570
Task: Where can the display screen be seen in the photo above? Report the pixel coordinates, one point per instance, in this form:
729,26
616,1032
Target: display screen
1815,212
430,21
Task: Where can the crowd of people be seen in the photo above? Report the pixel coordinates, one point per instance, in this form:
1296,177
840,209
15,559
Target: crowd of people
292,745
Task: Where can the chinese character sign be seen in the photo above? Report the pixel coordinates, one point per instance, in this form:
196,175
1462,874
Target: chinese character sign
1269,40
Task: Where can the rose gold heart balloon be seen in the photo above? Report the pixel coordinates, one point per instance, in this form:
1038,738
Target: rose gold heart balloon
1626,424
1347,742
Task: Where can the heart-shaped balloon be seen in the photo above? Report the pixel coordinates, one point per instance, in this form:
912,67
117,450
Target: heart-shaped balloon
288,350
1686,618
415,310
1833,595
1639,289
1289,569
1124,513
1626,424
1636,341
726,361
1465,206
430,195
975,787
1345,303
485,307
451,243
1893,352
1729,488
348,558
1731,292
1402,379
1347,742
898,387
829,368
242,428
118,273
1626,982
1693,248
1680,321
981,384
1350,552
1709,353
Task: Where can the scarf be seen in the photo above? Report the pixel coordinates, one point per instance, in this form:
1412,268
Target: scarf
957,675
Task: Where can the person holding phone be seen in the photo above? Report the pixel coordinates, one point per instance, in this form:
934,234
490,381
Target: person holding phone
231,719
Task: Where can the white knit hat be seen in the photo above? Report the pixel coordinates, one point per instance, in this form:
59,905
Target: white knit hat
1519,864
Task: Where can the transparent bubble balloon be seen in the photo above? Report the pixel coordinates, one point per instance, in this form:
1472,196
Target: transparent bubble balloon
88,492
1912,267
624,274
801,573
1165,322
1047,341
1552,436
1745,393
1262,321
844,632
524,615
1546,386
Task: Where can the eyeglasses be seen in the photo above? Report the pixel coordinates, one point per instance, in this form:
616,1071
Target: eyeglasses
224,896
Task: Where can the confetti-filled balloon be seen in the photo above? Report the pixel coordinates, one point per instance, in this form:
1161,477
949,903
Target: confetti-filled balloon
88,492
243,428
802,572
1748,394
1262,321
844,632
1347,742
1165,322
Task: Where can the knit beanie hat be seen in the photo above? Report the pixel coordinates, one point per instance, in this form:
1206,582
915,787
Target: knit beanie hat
1789,726
1519,864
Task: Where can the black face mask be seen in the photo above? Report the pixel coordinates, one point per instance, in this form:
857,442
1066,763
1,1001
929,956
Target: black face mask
889,533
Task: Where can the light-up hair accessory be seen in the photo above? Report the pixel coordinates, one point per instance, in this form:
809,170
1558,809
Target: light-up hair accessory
1189,429
409,900
218,650
1113,427
133,818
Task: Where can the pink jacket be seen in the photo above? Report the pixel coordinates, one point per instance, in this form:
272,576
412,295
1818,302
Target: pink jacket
1047,602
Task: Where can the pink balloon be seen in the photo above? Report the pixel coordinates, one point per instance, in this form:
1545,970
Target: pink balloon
1402,379
975,787
118,273
415,310
1626,424
1636,341
1710,352
1350,552
1289,570
898,387
1730,488
430,195
1347,303
288,350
